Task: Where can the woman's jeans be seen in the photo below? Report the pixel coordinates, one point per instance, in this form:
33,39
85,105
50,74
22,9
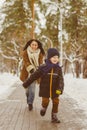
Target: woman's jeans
30,93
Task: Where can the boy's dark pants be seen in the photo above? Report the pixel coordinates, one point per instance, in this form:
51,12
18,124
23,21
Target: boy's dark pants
55,103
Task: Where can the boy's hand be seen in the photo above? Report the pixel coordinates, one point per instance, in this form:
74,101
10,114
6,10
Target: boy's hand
24,86
32,71
58,92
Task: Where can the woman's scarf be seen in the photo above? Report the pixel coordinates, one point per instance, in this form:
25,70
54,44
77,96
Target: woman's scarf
33,56
49,65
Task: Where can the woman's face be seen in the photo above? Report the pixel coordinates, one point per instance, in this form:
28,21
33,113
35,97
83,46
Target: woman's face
34,45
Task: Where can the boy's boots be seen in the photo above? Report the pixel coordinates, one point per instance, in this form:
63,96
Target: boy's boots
43,111
54,118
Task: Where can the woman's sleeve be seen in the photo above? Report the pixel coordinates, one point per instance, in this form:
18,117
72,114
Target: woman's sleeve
26,61
41,58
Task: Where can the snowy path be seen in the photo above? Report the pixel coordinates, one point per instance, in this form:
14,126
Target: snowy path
72,108
72,117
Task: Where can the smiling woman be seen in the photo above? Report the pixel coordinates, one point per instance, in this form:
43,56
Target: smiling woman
33,55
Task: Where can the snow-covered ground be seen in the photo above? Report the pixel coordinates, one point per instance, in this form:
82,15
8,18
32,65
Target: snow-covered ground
6,82
74,88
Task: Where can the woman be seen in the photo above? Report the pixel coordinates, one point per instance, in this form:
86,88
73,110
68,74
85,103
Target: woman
33,55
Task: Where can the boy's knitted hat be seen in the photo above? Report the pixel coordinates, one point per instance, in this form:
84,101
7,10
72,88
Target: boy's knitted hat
52,52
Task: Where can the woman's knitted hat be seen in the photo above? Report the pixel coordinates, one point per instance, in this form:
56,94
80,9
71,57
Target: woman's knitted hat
52,52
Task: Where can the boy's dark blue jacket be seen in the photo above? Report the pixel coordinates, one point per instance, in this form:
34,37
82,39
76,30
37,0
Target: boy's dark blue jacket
44,88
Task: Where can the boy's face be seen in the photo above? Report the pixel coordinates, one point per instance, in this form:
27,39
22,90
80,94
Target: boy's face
54,59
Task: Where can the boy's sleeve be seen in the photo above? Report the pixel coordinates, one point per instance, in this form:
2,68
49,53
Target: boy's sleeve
33,77
61,81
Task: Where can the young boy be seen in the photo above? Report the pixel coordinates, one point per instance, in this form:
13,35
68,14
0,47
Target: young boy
51,84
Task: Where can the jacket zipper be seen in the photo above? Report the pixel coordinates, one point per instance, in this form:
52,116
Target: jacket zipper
51,83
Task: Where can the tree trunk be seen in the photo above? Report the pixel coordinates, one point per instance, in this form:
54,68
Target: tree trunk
33,18
85,64
77,69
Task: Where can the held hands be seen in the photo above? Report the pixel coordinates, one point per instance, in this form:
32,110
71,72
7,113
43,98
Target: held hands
58,92
32,71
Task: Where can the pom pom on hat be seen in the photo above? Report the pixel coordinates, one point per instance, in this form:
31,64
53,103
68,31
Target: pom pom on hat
52,52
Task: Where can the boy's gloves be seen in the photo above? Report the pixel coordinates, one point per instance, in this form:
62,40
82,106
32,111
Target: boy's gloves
58,92
24,86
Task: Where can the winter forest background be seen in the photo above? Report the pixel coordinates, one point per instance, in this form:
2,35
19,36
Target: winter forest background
57,23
